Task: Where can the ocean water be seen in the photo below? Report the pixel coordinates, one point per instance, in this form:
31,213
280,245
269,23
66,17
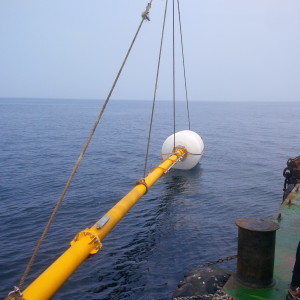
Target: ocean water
186,219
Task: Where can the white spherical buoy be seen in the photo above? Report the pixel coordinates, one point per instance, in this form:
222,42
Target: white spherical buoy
193,144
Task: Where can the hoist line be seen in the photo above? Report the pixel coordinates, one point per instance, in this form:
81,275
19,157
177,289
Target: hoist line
183,64
174,96
155,88
31,261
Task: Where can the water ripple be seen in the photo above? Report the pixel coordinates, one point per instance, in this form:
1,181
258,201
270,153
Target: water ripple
186,219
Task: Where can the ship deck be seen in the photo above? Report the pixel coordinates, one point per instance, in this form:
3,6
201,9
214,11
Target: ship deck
287,239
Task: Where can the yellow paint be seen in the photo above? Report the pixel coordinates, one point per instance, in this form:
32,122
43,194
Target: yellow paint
89,241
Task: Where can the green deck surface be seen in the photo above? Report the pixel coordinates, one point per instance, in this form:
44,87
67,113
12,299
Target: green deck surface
287,238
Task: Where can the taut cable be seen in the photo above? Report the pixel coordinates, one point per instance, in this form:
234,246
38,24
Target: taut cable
183,63
41,240
155,89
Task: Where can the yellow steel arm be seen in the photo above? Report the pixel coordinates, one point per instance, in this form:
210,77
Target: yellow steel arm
89,241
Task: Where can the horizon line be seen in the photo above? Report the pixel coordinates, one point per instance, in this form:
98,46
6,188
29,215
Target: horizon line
178,100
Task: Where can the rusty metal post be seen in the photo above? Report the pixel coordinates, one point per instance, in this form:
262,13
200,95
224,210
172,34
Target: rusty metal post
256,251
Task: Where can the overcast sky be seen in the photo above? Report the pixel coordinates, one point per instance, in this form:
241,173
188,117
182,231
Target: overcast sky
235,50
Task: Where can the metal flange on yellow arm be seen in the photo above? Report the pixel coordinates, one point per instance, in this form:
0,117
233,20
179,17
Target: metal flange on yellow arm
89,240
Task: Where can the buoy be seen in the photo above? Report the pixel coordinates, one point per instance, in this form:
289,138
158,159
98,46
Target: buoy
191,141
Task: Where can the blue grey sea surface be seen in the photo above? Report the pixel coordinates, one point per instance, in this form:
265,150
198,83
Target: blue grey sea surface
186,219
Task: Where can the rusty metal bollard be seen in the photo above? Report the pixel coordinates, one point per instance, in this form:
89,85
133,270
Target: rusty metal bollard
256,251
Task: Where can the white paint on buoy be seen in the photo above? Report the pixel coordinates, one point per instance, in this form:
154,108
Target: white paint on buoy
191,141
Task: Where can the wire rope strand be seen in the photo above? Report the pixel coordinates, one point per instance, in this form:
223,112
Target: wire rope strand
183,64
155,88
174,96
31,261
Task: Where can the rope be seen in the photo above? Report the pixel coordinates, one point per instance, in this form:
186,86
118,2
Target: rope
174,96
40,242
189,153
183,63
220,260
155,89
145,14
174,82
144,183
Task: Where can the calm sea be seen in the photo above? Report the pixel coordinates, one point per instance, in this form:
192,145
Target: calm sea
186,219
